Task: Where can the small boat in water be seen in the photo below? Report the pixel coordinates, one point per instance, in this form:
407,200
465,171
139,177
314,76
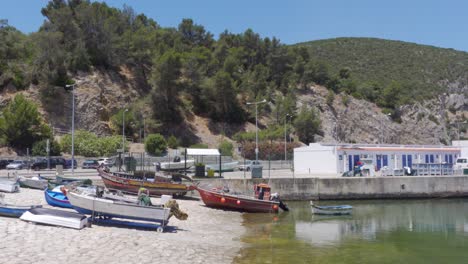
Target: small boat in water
263,202
9,186
55,217
35,182
331,209
58,199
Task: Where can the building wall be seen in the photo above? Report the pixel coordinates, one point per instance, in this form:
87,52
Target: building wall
463,145
315,158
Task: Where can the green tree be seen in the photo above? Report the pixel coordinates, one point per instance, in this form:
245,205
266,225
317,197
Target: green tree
172,142
39,148
307,124
21,124
131,123
155,144
225,148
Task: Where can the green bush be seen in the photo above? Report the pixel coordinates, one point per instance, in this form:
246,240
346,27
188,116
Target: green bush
39,148
89,145
225,147
172,142
155,144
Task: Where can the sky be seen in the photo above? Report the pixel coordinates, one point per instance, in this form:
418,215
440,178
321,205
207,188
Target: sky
437,23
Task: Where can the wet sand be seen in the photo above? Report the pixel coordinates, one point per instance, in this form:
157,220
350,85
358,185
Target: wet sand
207,236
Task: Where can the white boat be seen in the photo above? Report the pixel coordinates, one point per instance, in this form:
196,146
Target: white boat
33,182
176,164
228,166
87,203
55,217
331,209
9,186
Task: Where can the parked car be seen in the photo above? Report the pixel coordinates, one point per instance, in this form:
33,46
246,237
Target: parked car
106,162
42,163
90,164
17,165
4,163
247,166
68,164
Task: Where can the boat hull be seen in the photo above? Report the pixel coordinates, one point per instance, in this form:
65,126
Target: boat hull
9,186
57,199
91,205
332,210
220,200
112,181
174,166
15,211
55,217
33,184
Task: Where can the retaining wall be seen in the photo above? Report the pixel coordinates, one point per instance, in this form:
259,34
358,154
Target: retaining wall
356,188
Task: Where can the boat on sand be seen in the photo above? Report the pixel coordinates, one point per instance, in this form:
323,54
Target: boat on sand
35,182
55,217
262,202
9,186
11,210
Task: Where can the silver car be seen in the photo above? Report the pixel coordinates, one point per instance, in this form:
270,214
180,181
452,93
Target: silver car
17,165
248,165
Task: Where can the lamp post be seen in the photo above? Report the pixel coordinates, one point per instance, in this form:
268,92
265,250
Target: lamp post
72,86
123,130
256,125
285,148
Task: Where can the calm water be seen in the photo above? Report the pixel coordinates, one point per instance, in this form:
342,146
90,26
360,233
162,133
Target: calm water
403,231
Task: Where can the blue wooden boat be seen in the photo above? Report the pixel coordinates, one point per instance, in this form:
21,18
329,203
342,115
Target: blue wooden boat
11,210
331,209
57,199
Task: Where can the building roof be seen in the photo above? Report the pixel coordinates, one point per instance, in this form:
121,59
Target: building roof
203,152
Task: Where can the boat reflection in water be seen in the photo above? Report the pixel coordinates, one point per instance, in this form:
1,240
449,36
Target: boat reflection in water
369,220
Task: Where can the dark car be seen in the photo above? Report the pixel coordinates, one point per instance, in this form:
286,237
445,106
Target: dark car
68,164
90,164
4,163
42,163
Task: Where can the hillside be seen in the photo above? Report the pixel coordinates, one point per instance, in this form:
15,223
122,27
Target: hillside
421,69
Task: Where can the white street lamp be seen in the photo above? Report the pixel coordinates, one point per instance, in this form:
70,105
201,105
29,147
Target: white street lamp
72,86
123,130
256,125
285,149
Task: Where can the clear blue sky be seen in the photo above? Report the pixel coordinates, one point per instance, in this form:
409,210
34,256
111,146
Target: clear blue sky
438,23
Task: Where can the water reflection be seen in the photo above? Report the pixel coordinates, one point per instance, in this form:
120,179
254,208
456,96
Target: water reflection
399,231
369,219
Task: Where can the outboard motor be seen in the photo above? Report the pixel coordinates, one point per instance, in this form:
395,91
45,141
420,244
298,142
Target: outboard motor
176,159
283,206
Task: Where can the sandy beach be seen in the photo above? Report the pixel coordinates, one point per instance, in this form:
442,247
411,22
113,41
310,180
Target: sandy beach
207,236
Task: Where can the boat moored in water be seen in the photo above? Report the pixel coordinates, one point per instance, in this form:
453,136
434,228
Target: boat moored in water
331,209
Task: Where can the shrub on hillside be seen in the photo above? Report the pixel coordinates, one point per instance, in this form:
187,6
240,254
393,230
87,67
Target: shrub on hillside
39,148
172,142
89,145
155,144
225,148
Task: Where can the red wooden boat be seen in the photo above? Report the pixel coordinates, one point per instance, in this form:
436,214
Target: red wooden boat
261,203
131,184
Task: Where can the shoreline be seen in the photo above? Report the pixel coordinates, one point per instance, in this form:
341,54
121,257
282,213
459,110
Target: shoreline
207,236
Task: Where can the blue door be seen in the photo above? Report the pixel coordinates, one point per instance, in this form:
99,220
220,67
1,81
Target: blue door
379,162
431,158
356,159
450,159
350,163
403,158
410,160
385,160
427,158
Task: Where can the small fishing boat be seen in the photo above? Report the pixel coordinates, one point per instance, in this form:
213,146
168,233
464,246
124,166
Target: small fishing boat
227,166
64,180
262,202
55,217
58,199
9,186
35,182
11,210
131,184
331,209
87,203
176,164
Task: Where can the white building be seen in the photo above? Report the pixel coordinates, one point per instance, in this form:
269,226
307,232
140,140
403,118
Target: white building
329,158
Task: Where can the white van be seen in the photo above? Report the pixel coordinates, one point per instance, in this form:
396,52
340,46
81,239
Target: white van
461,163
